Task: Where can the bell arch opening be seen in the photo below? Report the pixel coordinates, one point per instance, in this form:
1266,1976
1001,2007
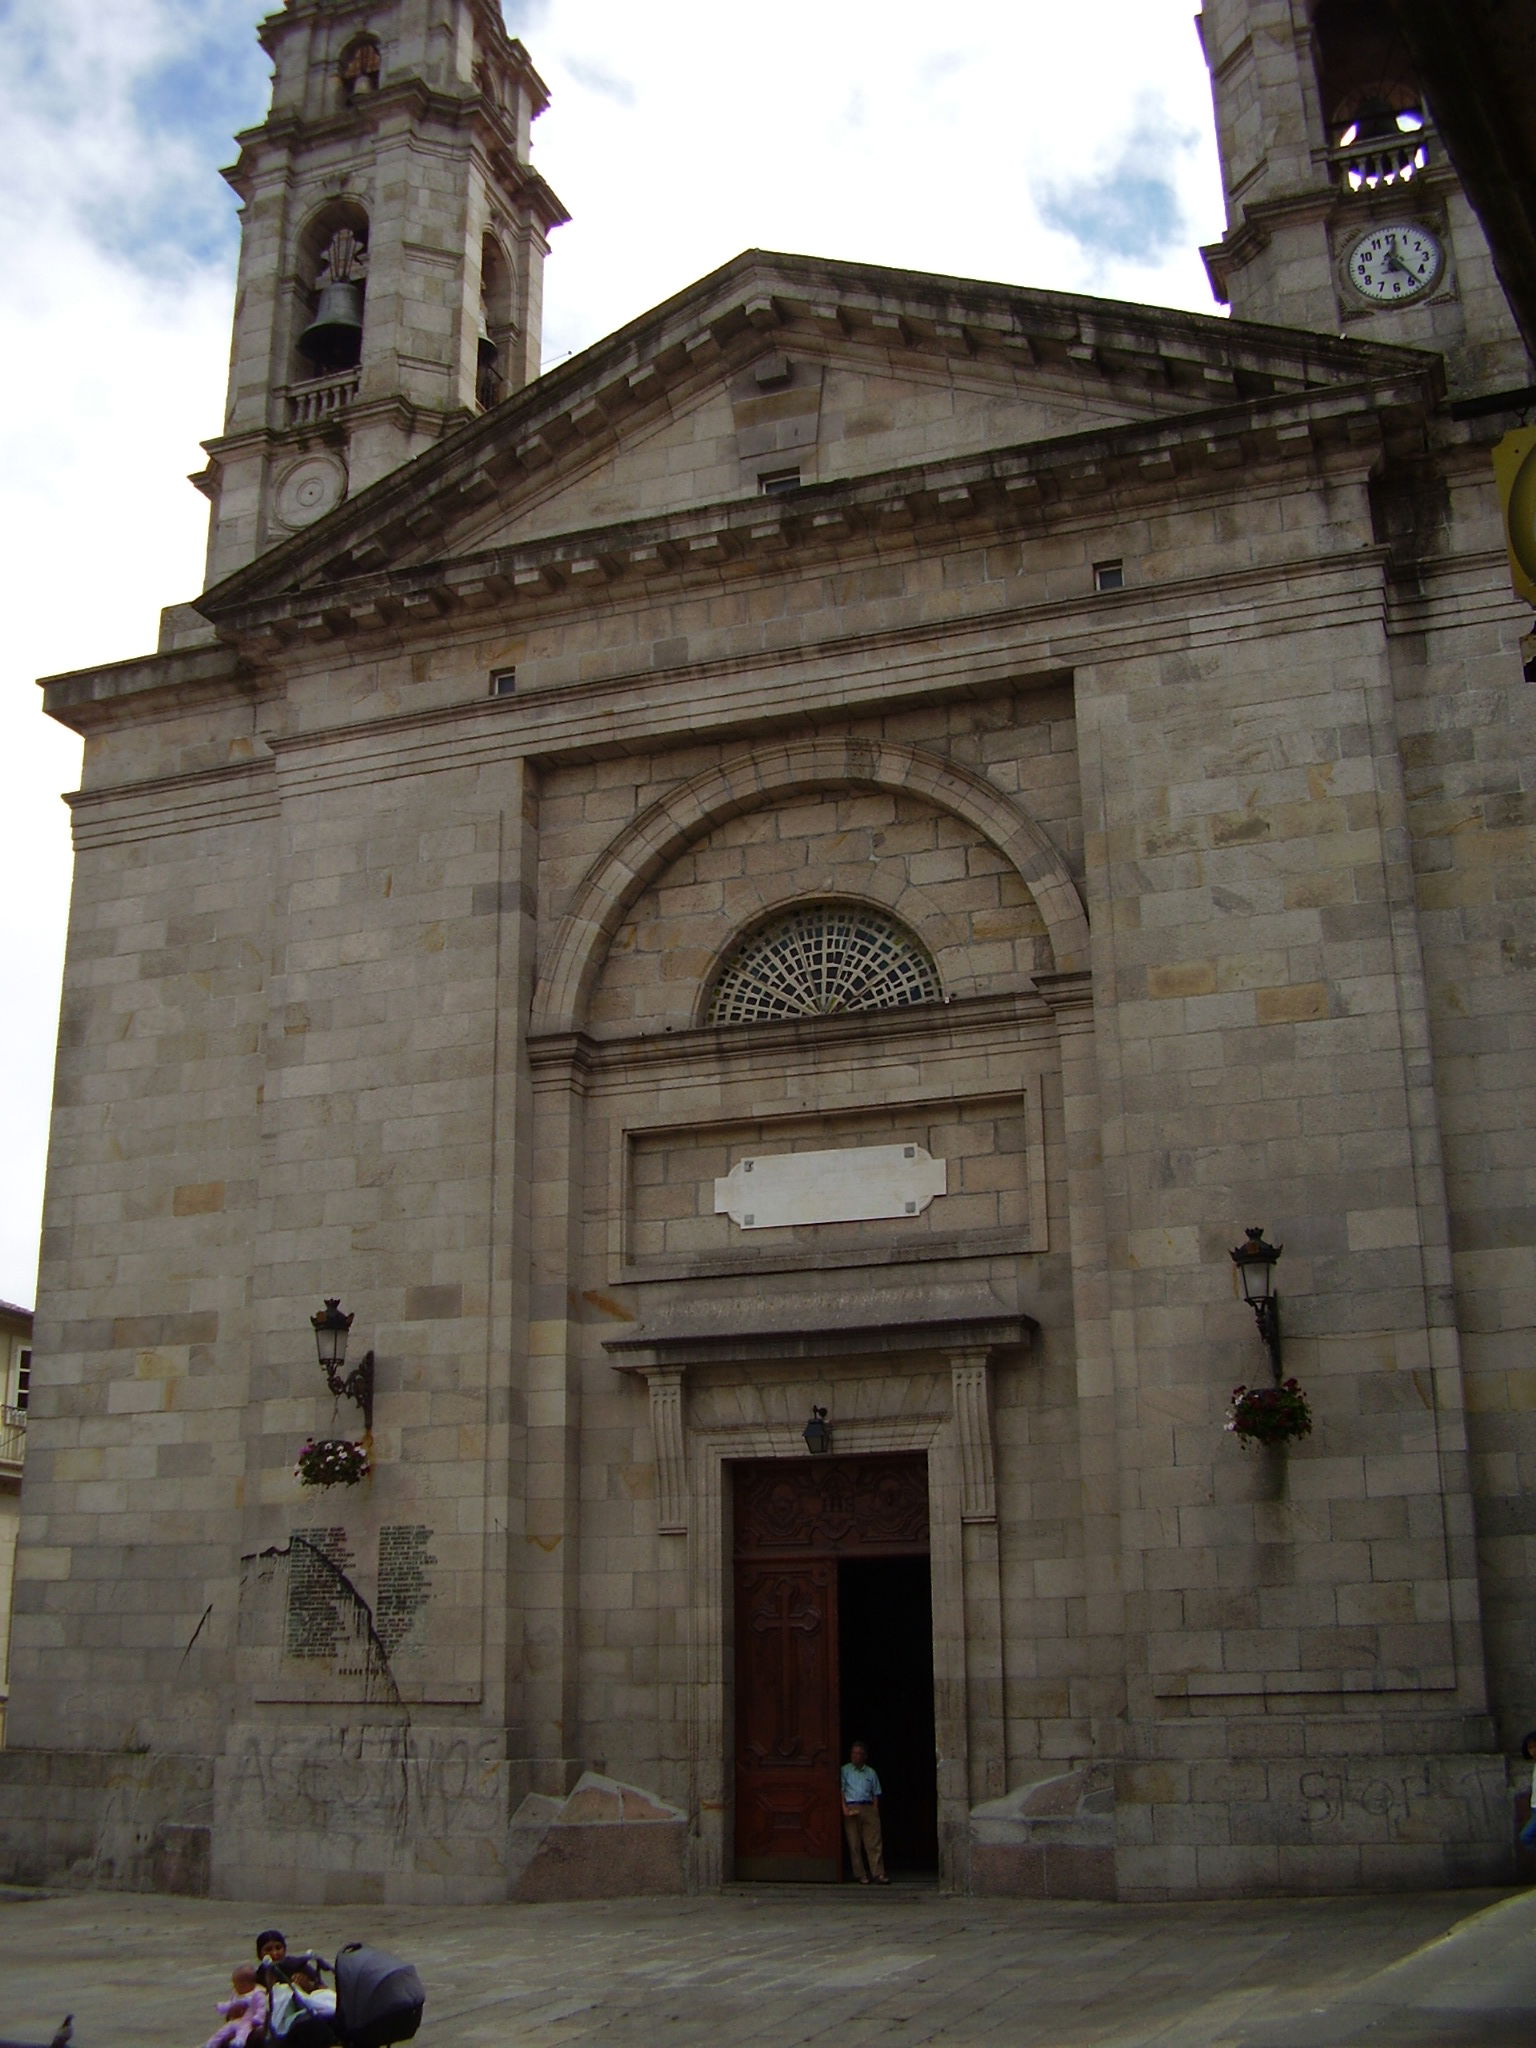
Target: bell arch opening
496,326
330,292
360,67
1372,104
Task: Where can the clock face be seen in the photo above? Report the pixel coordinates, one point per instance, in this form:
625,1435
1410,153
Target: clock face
1393,264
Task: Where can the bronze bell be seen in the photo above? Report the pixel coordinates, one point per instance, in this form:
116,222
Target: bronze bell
487,370
333,340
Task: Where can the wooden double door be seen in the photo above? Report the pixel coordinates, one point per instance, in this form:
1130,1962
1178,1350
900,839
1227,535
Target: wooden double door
834,1644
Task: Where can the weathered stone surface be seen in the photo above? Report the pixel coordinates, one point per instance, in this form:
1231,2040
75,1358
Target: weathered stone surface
605,1841
398,911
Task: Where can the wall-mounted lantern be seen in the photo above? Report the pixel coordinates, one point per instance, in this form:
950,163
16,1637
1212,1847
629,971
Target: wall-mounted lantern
1255,1262
818,1437
331,1328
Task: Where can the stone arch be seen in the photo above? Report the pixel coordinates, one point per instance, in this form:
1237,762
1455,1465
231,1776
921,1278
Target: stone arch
360,66
497,326
331,249
749,781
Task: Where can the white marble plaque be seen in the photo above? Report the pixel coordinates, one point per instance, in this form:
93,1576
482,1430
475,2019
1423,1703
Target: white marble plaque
856,1184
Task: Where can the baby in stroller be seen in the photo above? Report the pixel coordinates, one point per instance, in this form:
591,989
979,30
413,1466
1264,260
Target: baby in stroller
303,2012
378,1999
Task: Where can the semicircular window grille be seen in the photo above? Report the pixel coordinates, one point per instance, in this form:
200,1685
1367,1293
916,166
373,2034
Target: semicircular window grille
819,960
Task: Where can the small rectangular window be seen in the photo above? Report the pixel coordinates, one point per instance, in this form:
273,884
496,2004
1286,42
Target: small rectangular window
774,482
1109,575
503,682
23,1379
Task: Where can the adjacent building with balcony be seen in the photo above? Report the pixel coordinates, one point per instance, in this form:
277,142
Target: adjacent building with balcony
15,1381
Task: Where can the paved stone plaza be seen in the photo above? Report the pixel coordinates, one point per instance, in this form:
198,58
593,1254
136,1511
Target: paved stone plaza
811,1964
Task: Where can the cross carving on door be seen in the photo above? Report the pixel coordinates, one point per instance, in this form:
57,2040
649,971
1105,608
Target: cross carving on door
787,1613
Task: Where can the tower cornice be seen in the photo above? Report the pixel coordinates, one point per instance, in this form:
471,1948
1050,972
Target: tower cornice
285,135
1317,204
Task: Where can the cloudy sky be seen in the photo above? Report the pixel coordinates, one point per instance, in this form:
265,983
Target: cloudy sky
1065,147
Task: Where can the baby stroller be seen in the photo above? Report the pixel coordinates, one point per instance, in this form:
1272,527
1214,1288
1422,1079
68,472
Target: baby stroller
61,2039
379,1999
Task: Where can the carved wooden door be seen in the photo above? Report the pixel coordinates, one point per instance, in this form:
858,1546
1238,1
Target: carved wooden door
796,1518
787,1816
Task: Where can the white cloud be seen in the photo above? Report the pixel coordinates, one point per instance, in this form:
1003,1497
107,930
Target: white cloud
889,134
122,371
681,133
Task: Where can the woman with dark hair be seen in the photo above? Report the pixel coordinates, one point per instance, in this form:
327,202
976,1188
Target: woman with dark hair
271,1950
303,2011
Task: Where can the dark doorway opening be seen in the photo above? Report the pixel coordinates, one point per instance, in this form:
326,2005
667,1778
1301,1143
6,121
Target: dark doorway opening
885,1684
833,1639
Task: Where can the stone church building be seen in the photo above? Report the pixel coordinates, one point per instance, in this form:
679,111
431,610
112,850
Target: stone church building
816,866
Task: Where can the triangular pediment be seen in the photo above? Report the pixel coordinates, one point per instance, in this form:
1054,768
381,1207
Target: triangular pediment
824,411
793,378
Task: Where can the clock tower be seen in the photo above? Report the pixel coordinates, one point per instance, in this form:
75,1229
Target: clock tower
1344,213
392,239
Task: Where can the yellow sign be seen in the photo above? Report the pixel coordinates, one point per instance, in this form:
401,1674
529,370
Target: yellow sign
1514,464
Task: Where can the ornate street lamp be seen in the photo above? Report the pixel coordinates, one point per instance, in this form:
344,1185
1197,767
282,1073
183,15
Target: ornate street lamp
331,1328
1255,1261
818,1437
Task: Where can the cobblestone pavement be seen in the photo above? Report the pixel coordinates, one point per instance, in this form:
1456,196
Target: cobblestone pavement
752,1967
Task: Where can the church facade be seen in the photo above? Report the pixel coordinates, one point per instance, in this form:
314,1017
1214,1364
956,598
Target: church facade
763,910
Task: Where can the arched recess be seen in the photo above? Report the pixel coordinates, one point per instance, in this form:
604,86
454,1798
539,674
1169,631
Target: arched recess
1372,105
497,327
360,67
748,782
329,290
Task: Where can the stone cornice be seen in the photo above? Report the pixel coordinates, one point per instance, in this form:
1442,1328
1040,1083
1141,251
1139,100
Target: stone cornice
210,800
1066,995
1006,490
1254,232
728,317
267,151
511,51
729,1051
187,678
403,414
792,1343
1014,647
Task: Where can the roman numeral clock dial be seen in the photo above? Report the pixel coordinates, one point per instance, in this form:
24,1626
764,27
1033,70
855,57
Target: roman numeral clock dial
1394,264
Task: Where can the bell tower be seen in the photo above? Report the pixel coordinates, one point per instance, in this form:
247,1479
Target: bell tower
1344,214
393,236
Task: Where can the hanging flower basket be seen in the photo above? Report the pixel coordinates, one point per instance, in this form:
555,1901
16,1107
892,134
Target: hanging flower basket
333,1461
1269,1415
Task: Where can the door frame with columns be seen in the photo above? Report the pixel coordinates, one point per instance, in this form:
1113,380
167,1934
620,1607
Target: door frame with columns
714,1403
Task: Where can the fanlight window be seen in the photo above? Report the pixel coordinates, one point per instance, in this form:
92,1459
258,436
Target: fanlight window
820,960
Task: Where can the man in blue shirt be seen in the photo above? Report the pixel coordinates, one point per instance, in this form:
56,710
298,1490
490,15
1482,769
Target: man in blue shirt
861,1816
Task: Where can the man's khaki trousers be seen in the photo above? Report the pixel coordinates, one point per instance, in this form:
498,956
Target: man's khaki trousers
862,1828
